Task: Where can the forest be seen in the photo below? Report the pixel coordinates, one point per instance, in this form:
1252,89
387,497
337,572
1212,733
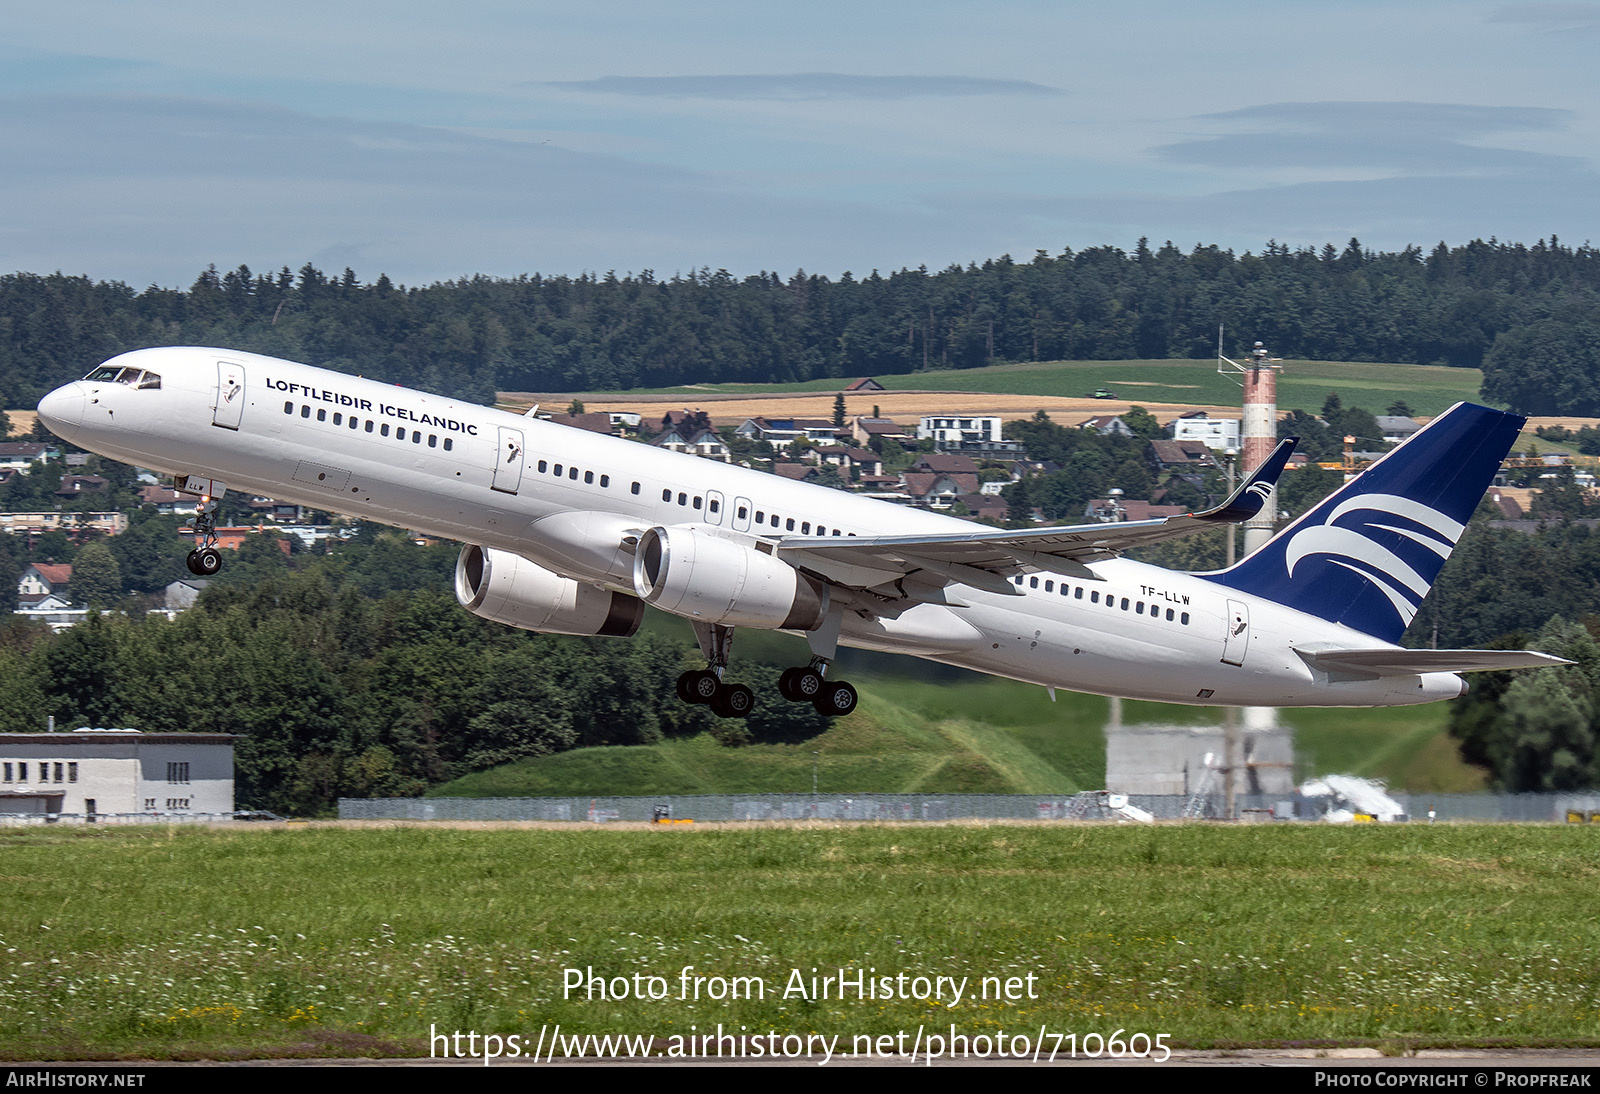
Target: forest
1522,313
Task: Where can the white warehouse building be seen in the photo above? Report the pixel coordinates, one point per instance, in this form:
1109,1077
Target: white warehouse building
92,773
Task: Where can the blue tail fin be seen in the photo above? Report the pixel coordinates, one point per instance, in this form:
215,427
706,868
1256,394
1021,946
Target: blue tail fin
1368,554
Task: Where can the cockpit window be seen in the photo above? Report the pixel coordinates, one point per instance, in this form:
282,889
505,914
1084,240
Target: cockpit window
133,377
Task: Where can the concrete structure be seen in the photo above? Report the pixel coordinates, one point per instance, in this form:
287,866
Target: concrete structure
1172,760
102,772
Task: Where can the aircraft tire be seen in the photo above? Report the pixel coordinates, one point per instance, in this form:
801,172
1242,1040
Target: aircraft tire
786,685
733,701
807,685
206,561
836,700
698,686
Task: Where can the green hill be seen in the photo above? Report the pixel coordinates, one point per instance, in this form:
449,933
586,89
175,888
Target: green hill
970,735
1302,385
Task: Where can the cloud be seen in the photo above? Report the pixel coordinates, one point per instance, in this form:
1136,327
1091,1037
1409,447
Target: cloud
155,189
1400,137
1557,16
801,86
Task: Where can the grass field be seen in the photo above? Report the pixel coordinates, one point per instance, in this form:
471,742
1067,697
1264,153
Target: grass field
923,727
357,941
1303,385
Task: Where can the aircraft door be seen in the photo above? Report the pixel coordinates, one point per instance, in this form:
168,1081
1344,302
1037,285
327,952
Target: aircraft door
741,514
508,461
230,395
714,506
1238,637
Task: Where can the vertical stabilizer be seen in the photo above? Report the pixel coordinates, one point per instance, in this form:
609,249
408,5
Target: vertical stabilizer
1367,555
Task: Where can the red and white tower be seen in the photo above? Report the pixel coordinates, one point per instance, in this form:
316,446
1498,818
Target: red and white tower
1259,435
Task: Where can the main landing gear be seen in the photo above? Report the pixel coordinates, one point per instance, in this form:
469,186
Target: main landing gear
805,684
204,560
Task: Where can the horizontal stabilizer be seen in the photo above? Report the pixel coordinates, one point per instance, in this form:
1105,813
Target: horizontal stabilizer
1398,662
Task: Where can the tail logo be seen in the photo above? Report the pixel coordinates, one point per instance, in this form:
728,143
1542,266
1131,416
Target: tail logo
1357,551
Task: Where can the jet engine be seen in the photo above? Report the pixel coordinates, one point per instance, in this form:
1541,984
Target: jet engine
711,579
507,588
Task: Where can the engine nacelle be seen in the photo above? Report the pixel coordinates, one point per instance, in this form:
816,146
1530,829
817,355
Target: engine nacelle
507,588
689,572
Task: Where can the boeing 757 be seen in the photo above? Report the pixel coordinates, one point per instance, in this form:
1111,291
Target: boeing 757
571,532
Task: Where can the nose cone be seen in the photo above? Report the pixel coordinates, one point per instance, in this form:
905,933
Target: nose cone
62,410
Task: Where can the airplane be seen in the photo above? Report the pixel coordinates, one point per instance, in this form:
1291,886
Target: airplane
571,532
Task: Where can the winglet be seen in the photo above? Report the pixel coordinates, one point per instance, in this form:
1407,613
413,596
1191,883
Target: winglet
1252,494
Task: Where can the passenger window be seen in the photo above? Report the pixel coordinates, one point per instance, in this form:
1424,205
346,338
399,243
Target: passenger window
1184,619
1124,603
305,411
1077,594
449,444
399,432
288,408
805,527
635,488
605,480
322,415
666,495
1139,608
743,512
369,425
338,419
761,518
544,465
588,478
1050,586
354,422
1094,597
1169,615
383,430
683,499
789,525
560,470
433,440
1033,583
697,503
572,473
416,436
715,506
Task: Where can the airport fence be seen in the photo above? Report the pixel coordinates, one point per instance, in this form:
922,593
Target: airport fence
1094,805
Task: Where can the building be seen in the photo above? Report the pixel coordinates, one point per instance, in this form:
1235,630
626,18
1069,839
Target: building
108,524
105,773
1106,425
1217,434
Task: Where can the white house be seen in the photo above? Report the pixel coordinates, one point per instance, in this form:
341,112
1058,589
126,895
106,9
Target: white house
1217,434
101,773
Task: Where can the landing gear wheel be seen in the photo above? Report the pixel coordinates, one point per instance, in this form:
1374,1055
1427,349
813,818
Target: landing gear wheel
698,686
836,699
204,562
733,701
800,685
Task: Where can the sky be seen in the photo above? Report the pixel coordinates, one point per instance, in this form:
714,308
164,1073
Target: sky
144,142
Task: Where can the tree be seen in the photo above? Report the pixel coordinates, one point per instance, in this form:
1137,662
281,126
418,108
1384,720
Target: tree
838,411
96,576
575,407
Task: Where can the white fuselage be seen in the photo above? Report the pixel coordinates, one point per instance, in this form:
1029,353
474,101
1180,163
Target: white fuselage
565,498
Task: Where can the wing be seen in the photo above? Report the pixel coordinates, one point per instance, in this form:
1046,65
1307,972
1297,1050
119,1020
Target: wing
1392,661
987,559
